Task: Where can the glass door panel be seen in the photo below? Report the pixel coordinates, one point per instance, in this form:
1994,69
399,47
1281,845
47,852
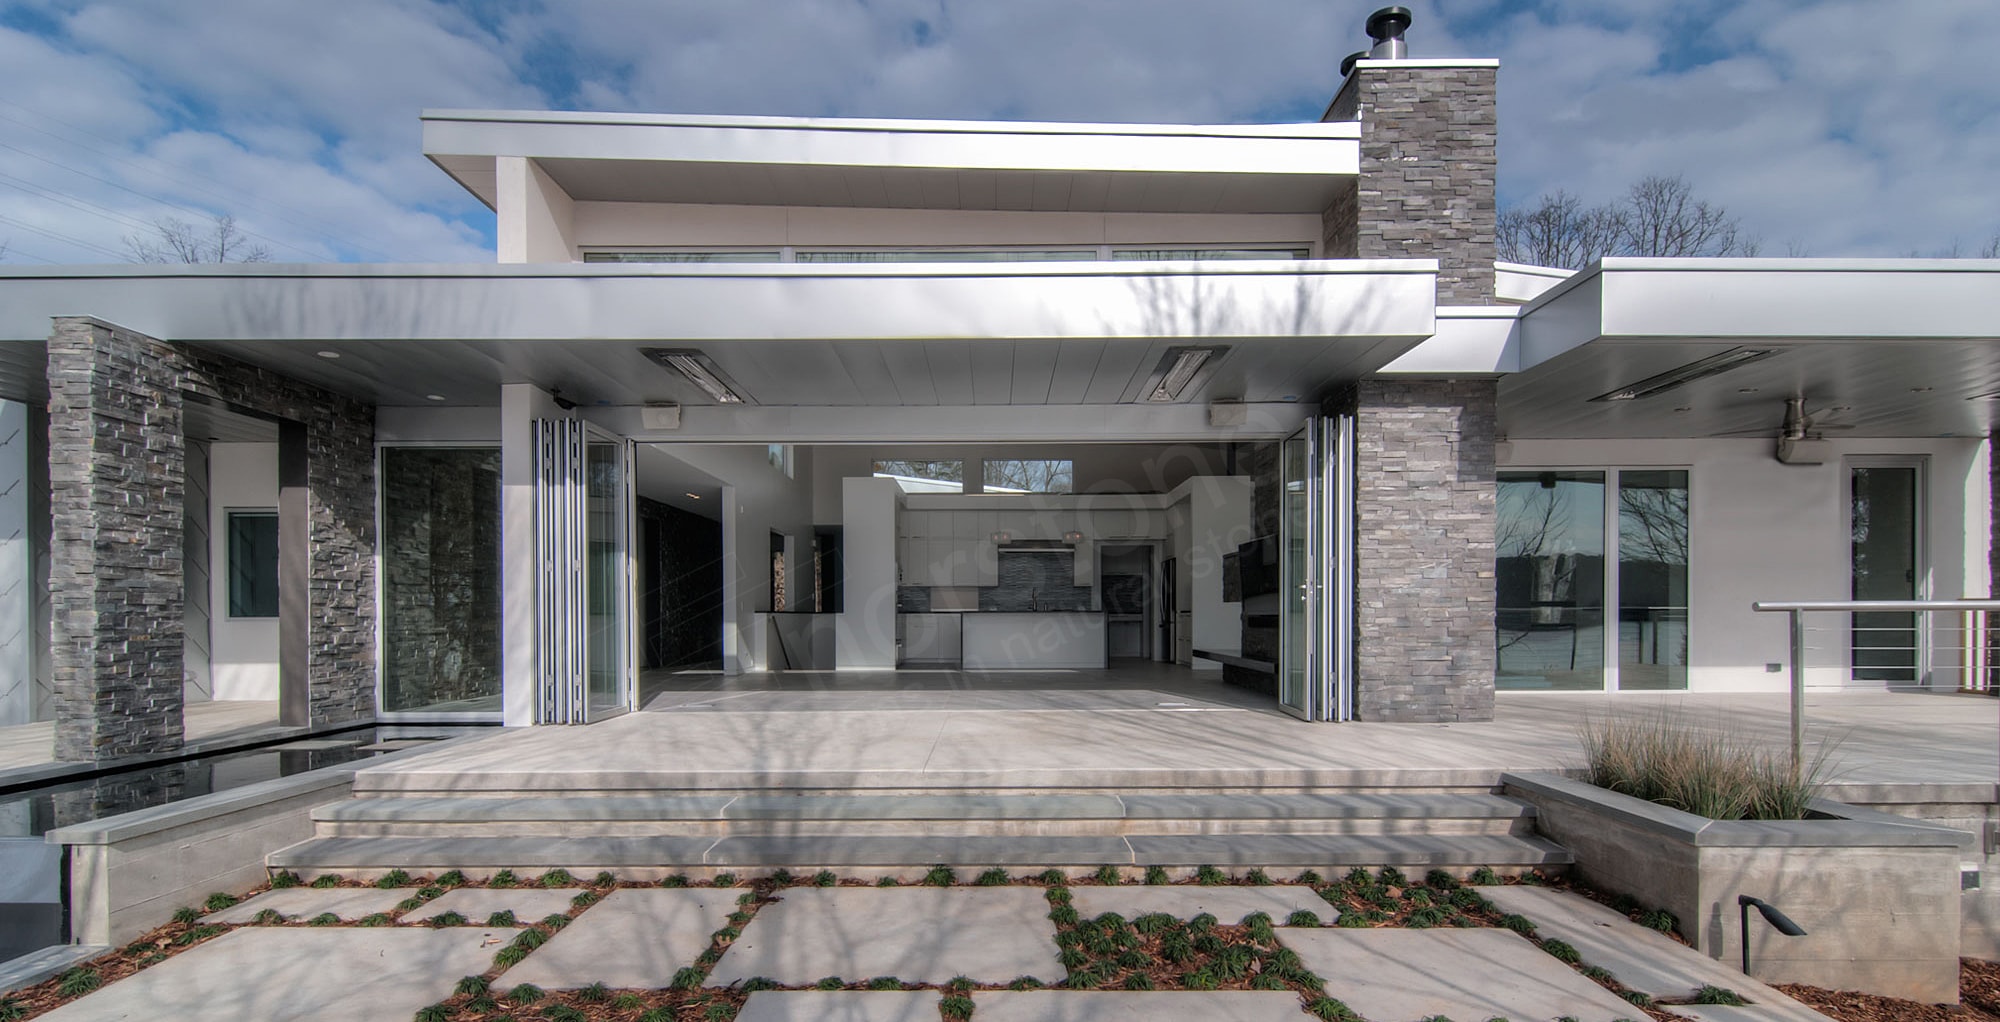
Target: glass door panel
1652,579
1295,573
1549,577
1883,523
608,623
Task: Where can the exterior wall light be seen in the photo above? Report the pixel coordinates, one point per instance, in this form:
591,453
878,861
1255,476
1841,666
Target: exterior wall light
1003,537
1073,536
1778,920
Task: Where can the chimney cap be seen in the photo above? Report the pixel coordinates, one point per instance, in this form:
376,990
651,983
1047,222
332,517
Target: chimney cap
1388,23
1347,62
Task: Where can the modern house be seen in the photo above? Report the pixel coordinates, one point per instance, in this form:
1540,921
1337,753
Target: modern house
744,394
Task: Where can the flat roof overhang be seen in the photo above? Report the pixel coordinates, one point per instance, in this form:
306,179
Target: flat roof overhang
788,334
1906,347
972,165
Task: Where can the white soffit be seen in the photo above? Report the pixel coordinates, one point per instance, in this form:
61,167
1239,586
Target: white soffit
1274,168
1771,300
1470,340
790,334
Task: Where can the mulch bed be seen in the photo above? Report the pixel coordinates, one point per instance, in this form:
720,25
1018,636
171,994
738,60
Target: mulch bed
1978,990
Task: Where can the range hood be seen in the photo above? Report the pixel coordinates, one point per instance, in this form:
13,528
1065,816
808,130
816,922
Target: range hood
1029,546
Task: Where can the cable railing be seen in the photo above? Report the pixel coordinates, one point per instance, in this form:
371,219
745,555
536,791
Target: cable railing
1888,645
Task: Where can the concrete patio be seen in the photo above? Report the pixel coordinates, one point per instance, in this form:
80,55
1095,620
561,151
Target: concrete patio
1145,726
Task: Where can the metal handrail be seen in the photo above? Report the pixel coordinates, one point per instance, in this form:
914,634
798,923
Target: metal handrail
1798,609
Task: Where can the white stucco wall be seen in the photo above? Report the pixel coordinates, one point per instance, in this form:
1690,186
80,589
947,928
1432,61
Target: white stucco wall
1761,530
243,654
865,629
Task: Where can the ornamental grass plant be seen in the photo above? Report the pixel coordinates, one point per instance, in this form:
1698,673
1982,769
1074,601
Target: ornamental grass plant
1712,770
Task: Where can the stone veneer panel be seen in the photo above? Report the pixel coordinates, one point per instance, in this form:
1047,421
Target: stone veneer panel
1429,138
117,463
1424,521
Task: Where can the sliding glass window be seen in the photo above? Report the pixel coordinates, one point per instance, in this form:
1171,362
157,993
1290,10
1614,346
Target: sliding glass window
440,558
1564,556
1652,579
1549,575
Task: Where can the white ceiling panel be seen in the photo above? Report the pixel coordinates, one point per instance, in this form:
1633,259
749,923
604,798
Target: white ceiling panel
1034,371
1076,364
992,372
951,370
909,368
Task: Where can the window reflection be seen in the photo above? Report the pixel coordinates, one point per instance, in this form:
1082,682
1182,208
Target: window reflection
1549,578
1652,579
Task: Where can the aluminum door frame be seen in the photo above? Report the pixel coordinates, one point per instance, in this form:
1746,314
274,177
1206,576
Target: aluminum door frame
562,597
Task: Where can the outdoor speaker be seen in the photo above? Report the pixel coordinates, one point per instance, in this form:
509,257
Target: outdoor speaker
660,416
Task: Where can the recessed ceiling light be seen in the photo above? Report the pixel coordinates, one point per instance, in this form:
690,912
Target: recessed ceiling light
433,397
694,496
327,354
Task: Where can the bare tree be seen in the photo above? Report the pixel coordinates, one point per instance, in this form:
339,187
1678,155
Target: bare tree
1663,218
1992,248
176,241
1558,231
1659,216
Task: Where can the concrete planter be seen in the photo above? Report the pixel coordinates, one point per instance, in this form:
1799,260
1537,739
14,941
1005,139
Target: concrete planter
1878,895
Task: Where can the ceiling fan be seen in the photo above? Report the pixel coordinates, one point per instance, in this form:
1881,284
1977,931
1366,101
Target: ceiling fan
1798,423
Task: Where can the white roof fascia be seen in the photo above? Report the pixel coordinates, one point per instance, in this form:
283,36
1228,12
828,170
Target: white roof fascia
1471,340
258,302
1277,149
1777,301
1525,282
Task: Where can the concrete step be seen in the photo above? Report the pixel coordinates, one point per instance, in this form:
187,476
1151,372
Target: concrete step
964,815
445,780
652,857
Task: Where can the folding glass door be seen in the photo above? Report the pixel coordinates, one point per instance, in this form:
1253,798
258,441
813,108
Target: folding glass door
584,512
1315,538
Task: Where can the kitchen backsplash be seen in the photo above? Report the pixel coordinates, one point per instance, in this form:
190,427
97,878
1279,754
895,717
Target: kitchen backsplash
1028,582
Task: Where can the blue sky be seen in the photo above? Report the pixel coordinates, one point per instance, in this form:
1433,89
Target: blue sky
1861,127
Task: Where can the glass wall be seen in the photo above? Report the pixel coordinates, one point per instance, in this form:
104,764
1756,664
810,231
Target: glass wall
1652,579
1549,577
440,547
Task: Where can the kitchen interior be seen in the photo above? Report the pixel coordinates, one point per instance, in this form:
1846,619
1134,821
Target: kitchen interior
992,557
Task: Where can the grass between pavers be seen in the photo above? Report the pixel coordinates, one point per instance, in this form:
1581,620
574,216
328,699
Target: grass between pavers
1211,955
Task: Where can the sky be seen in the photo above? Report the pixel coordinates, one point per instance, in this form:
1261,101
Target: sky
1837,128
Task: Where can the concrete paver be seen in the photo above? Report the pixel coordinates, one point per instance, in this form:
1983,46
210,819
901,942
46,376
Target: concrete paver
298,975
916,934
841,1006
528,904
1397,975
1638,957
1226,904
1121,1006
349,903
635,937
1786,1011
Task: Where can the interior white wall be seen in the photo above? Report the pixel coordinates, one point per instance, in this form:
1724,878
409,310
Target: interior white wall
1097,468
1761,530
533,217
243,652
1218,522
757,499
865,629
626,224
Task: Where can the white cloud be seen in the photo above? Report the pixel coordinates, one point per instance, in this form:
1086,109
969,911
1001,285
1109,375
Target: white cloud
1820,123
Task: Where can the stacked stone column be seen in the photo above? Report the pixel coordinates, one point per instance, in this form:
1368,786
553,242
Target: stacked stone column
117,464
1424,474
